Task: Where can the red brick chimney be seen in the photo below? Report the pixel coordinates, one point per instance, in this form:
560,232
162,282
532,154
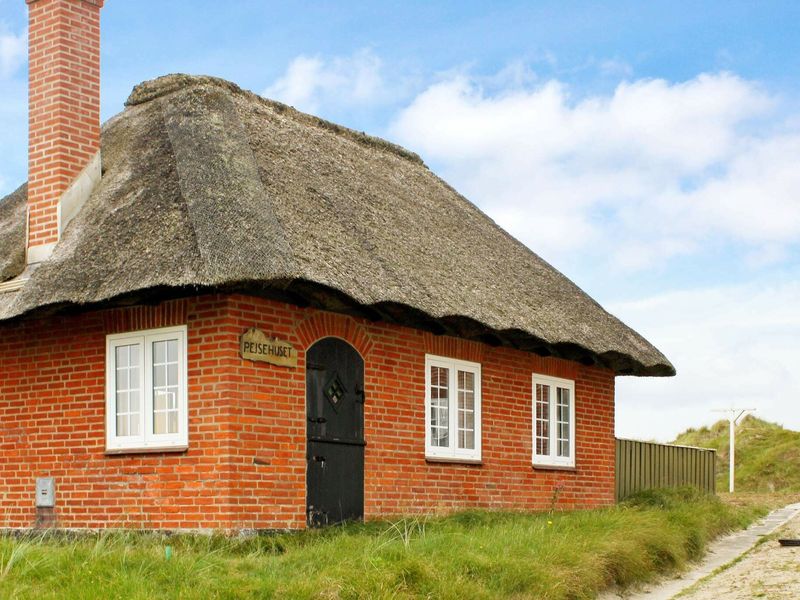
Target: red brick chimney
64,115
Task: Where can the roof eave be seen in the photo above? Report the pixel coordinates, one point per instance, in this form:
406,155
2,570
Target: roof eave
314,295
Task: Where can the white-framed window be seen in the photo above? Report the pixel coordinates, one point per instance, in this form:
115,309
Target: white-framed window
553,421
146,390
452,409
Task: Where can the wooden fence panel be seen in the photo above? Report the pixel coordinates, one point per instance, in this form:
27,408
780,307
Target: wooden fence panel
647,465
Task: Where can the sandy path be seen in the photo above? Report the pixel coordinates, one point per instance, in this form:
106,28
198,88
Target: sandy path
768,571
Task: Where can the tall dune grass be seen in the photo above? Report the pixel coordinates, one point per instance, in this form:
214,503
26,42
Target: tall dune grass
474,554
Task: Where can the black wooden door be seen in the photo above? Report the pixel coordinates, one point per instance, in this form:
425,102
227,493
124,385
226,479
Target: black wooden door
335,428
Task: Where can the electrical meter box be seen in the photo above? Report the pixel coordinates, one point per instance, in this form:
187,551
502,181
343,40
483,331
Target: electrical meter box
45,492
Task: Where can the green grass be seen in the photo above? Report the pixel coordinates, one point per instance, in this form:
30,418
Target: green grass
767,455
467,555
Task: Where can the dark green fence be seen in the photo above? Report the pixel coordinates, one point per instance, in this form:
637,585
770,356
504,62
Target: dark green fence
646,465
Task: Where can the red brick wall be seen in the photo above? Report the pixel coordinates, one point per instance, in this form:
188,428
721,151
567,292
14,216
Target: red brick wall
245,467
52,408
64,104
398,479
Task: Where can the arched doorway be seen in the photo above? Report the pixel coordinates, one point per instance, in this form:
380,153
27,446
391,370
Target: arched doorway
335,433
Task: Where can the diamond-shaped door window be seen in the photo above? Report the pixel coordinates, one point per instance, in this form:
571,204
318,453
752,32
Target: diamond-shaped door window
334,391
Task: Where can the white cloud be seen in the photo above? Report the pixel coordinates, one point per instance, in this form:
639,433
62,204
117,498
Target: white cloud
13,51
640,175
311,82
730,345
615,68
650,172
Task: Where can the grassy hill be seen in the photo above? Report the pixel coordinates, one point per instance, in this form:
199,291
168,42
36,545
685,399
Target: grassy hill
767,455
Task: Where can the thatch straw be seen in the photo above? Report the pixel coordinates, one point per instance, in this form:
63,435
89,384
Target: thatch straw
206,186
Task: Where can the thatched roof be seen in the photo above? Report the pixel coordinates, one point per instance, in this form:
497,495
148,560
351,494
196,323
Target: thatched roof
12,235
207,187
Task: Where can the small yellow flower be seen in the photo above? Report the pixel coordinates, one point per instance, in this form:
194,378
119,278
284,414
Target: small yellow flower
549,523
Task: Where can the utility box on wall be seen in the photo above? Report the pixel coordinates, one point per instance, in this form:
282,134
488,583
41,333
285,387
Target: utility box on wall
45,492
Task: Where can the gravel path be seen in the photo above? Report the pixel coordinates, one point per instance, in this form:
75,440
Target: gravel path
768,571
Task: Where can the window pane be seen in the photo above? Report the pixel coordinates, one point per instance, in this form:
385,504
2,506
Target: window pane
135,359
172,351
172,425
123,379
172,373
159,401
133,401
160,422
159,352
542,419
159,376
563,421
165,387
123,356
127,389
122,425
466,439
466,410
122,403
133,412
165,413
440,409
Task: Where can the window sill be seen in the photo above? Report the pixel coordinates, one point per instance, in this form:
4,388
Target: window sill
546,467
153,450
453,459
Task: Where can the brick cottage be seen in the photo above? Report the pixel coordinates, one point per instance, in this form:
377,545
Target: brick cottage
217,312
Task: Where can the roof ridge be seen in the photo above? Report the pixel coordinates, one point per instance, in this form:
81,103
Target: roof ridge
213,158
195,242
152,89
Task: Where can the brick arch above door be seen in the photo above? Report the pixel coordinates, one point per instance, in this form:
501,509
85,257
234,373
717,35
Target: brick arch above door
324,324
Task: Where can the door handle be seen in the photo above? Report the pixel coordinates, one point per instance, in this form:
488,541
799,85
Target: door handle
317,420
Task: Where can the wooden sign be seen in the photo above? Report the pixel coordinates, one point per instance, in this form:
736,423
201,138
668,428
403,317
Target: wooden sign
255,345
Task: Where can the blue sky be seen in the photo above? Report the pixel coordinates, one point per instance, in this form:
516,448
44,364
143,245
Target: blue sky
645,149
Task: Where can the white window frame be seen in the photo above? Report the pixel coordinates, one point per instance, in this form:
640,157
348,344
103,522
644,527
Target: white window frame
146,441
552,459
452,453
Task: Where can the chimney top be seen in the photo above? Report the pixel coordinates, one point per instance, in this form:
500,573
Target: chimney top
63,114
98,3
